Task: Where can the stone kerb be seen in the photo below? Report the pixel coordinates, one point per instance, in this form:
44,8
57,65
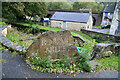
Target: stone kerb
6,42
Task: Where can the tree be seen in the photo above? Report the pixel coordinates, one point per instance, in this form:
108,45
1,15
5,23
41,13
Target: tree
12,10
19,10
91,5
59,5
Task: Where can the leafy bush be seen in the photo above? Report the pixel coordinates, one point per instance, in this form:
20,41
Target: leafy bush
2,23
98,38
88,49
65,62
107,42
60,66
44,62
82,62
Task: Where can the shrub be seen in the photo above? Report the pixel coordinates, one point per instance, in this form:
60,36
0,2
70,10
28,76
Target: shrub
82,63
98,38
88,49
61,65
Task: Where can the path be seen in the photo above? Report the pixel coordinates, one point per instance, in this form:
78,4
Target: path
15,67
100,30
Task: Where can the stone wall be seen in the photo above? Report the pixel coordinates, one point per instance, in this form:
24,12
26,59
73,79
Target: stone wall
5,30
105,37
6,42
56,24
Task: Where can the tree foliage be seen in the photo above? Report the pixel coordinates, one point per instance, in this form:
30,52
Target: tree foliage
91,5
59,5
18,10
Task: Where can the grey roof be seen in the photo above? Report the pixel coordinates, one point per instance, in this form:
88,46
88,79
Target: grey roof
71,16
109,9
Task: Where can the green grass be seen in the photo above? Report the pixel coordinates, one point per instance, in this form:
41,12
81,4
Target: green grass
16,38
2,23
79,34
97,26
109,63
43,27
83,35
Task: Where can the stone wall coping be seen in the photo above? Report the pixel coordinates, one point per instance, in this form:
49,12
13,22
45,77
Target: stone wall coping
100,33
9,44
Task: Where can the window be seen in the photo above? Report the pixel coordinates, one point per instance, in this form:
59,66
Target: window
106,14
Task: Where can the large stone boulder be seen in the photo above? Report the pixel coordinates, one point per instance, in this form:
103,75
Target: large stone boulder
55,44
103,50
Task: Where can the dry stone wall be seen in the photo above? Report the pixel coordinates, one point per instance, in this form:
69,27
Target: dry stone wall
6,42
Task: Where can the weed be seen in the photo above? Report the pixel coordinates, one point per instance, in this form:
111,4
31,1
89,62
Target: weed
88,49
2,60
2,49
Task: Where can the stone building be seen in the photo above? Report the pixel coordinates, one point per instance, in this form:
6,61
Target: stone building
71,20
115,26
107,15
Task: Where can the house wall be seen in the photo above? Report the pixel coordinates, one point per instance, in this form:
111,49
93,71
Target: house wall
106,21
90,23
72,25
75,26
56,24
69,25
114,24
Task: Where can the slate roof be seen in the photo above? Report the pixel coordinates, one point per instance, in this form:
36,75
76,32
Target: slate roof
71,16
109,9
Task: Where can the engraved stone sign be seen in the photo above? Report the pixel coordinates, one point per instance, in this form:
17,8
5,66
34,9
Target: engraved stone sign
56,44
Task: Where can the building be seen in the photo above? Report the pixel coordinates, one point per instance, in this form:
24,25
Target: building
107,15
71,20
44,21
115,26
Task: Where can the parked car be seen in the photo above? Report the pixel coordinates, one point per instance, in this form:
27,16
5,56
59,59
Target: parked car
105,26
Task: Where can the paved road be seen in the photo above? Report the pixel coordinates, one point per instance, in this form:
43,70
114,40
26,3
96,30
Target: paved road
15,67
100,30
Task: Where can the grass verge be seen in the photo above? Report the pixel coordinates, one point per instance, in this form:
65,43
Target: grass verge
109,63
